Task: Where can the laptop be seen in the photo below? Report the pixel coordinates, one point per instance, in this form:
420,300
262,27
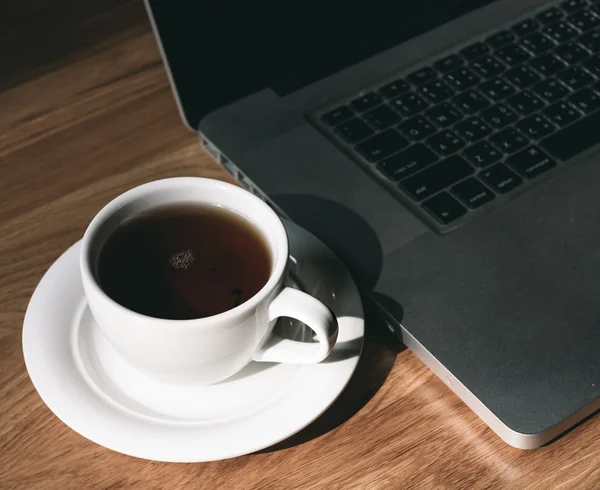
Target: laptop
447,151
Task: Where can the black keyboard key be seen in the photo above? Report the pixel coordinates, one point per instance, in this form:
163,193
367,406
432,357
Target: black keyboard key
571,52
421,76
500,178
472,129
593,65
461,79
470,102
574,139
575,77
525,103
586,100
537,43
445,143
584,21
436,92
444,208
381,117
473,193
531,162
508,140
354,130
499,116
482,154
550,90
475,50
512,55
591,40
573,5
535,127
500,39
487,66
409,104
444,115
436,177
561,113
496,89
448,63
551,15
394,89
366,102
337,115
526,27
561,31
521,76
381,145
547,64
417,128
407,162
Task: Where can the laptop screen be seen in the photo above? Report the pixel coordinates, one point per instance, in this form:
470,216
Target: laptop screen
219,52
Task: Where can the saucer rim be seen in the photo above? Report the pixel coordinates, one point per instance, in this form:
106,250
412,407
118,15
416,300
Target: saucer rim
76,423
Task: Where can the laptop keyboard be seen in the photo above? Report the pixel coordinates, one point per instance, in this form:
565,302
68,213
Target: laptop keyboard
459,136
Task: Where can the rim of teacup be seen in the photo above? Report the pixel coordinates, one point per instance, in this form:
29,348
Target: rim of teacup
276,227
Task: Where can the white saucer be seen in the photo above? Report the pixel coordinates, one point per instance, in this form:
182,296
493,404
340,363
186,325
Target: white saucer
93,390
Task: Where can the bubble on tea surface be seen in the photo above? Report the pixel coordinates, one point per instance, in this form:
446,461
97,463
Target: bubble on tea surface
182,260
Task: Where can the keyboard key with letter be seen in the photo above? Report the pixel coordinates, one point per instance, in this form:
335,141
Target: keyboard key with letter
525,103
444,115
366,102
512,55
475,50
448,63
487,66
381,145
473,193
482,154
586,100
537,43
436,91
381,117
472,129
436,177
462,79
417,128
421,76
470,102
337,115
561,113
394,89
550,90
508,140
535,127
445,143
499,116
531,162
547,64
444,208
500,178
407,162
354,130
409,104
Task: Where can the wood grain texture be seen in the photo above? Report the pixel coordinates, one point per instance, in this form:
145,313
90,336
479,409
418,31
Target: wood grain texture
86,113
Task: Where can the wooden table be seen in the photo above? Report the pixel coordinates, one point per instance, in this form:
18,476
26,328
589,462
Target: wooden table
86,113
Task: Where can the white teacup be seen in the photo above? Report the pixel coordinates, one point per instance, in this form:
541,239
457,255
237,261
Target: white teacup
205,350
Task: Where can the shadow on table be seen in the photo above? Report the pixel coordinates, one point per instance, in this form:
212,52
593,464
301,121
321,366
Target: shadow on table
379,354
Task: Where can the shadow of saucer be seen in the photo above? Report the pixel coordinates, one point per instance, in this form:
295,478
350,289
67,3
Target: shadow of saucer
379,354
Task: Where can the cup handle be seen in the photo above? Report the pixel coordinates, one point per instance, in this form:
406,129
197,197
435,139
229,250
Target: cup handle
303,307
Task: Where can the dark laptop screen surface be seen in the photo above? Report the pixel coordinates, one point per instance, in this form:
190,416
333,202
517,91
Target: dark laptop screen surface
221,51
